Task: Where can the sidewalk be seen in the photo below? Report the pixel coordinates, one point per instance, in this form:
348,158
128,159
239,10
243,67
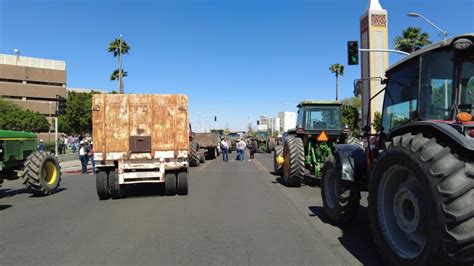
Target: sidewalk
73,167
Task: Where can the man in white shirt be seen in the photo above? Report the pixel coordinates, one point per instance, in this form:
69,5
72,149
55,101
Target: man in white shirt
225,150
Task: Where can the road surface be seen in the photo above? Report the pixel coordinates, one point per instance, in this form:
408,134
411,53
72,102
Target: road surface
236,213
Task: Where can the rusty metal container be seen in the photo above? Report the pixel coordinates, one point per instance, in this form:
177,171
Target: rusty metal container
140,132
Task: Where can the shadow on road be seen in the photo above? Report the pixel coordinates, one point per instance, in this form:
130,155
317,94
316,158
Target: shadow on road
61,189
308,181
356,237
6,193
145,190
4,207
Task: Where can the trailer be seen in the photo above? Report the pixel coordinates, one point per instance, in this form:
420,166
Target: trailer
140,138
209,142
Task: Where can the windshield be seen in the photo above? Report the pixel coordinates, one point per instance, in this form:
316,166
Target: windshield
467,83
324,117
262,134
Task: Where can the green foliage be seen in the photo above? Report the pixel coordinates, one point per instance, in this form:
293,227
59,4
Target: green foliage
411,40
78,115
350,117
115,74
377,124
114,47
49,146
13,117
354,101
338,70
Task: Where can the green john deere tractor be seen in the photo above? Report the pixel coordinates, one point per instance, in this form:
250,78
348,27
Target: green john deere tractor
319,128
264,143
19,159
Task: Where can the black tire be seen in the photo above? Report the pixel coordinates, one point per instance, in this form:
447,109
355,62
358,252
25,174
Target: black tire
270,146
42,173
182,185
116,190
441,182
212,153
170,184
202,157
193,155
276,167
102,185
341,199
294,165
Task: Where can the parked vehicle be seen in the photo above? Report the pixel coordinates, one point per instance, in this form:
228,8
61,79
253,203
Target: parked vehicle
210,144
140,138
419,168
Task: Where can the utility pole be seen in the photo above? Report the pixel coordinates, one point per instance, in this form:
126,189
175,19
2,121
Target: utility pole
120,65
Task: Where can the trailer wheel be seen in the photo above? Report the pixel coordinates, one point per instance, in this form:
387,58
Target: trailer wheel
294,165
341,199
170,184
277,167
212,153
182,179
420,203
102,185
116,190
193,155
42,173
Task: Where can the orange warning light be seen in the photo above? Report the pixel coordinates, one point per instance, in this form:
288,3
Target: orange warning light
464,117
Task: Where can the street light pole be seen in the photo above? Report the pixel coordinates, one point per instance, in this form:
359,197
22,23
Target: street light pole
120,65
443,32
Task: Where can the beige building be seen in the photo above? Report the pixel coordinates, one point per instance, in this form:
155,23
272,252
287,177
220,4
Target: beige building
33,83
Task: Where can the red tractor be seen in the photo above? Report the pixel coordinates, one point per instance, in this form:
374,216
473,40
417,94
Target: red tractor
419,168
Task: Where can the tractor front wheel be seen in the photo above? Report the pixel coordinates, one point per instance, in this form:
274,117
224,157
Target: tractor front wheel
294,164
341,199
42,173
420,203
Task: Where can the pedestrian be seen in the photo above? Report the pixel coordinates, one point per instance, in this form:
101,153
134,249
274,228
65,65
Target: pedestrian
60,145
66,142
40,146
90,155
83,157
225,150
241,150
253,149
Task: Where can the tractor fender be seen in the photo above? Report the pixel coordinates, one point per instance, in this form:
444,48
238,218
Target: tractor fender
443,132
351,160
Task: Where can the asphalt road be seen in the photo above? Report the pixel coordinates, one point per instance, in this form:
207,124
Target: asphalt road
237,213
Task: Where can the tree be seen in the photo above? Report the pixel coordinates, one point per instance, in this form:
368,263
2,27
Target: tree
78,115
338,70
377,123
115,75
118,47
411,40
13,117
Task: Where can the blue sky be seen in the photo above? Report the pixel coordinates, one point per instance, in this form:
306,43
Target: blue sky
233,58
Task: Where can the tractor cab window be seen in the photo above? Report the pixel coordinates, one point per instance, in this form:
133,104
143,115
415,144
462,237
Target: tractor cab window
436,85
467,83
262,134
300,119
401,94
323,118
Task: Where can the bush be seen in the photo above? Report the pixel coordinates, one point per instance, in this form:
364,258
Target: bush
13,117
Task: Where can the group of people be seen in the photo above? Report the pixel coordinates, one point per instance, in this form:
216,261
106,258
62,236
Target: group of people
240,147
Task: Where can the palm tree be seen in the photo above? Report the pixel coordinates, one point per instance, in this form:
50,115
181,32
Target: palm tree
115,74
118,47
412,40
338,70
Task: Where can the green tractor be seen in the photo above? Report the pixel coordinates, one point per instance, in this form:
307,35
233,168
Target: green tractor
264,143
19,159
419,167
319,128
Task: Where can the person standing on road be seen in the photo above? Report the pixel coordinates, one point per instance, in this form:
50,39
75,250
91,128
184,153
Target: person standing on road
83,157
41,146
241,150
253,149
225,150
90,155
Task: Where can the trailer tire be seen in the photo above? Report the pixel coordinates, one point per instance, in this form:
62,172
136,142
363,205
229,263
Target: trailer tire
193,155
341,199
42,173
294,165
428,190
212,153
276,167
116,190
182,179
170,184
102,185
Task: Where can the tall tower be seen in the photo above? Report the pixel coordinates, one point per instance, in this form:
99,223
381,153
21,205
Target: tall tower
373,35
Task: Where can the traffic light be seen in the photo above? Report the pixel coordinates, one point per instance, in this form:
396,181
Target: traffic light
353,52
61,105
215,118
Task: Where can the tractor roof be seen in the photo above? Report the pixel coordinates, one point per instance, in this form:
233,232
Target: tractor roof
312,103
16,134
431,47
